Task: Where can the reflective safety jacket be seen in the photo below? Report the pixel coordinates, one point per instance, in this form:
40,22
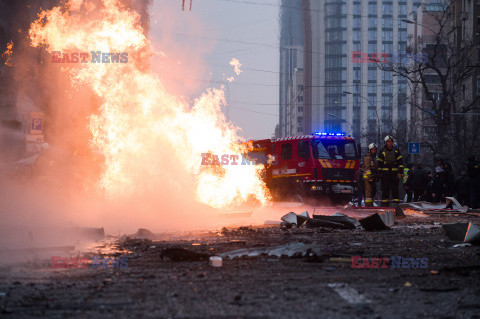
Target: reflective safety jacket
390,161
370,167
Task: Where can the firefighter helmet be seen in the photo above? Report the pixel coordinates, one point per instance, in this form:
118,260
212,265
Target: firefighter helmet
371,146
388,137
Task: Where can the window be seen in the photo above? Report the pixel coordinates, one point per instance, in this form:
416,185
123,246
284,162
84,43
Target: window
299,130
300,88
387,9
387,23
300,109
372,74
300,98
333,149
372,8
478,85
303,148
372,22
286,152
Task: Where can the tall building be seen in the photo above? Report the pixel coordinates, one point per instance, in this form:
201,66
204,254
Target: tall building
291,58
345,44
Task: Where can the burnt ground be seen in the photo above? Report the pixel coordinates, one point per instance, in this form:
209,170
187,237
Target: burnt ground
263,286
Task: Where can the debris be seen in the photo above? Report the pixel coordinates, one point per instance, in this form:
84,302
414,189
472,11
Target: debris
296,249
289,219
462,245
180,254
407,284
378,221
453,203
315,222
349,223
302,218
215,261
465,232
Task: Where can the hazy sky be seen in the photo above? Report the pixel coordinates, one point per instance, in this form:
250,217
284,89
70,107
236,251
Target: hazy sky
245,30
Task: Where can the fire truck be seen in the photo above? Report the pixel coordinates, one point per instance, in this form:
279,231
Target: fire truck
308,167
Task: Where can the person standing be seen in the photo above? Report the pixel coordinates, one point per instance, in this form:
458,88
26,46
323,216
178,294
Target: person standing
444,178
390,163
406,185
473,173
462,185
418,182
370,174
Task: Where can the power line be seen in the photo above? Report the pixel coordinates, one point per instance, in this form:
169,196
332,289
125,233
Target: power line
304,9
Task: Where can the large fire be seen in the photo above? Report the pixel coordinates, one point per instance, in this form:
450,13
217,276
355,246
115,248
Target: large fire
140,127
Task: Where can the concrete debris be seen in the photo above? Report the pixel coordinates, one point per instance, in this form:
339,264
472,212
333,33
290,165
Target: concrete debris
180,254
378,221
296,249
464,232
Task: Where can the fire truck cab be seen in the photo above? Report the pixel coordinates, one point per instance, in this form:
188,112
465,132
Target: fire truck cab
310,166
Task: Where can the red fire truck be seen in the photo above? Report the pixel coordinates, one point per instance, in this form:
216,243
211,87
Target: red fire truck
309,167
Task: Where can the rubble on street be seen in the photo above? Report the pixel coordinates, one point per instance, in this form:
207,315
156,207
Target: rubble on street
262,271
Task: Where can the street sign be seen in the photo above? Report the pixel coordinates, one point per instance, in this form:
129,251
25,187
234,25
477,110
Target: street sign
36,122
413,148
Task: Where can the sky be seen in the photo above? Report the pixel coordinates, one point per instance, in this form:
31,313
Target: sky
220,30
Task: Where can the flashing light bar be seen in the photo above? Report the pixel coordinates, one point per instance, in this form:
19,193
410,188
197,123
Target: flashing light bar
329,134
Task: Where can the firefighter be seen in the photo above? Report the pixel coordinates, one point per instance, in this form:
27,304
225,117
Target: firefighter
370,174
390,163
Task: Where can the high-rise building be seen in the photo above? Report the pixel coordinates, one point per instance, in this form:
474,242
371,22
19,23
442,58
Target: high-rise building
345,45
291,58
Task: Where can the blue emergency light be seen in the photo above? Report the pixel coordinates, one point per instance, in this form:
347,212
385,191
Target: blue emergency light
329,134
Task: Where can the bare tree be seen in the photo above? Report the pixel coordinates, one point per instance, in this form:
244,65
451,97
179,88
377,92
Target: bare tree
437,71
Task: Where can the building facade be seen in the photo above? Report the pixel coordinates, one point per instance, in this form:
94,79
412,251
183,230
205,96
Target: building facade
291,58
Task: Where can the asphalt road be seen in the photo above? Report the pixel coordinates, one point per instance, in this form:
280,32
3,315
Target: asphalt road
318,283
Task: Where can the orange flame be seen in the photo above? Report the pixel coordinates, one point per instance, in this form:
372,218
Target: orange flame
144,132
8,53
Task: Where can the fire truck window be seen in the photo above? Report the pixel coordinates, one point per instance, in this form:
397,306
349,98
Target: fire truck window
303,149
334,149
319,150
286,152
